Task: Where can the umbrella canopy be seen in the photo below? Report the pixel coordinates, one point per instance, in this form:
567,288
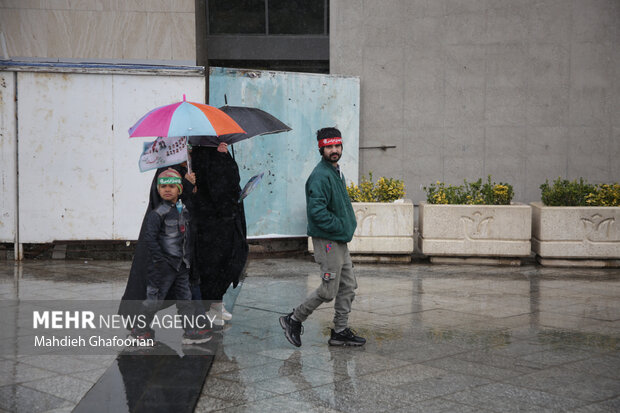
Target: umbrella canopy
250,186
254,121
185,119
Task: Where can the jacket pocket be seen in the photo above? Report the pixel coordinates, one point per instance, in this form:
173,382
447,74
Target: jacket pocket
171,227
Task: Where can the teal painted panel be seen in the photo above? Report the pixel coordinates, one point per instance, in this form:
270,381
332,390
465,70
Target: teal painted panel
305,102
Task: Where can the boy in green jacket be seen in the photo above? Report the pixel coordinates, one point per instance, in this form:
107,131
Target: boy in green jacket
331,224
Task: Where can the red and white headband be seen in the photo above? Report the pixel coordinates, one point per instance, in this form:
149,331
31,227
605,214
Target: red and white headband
330,141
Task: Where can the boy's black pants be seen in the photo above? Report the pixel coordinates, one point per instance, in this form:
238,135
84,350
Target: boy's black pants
158,286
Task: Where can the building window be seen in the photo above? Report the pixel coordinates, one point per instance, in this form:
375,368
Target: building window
297,17
236,17
269,34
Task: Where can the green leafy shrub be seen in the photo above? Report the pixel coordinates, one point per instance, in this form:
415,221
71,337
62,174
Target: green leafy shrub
579,193
385,190
470,193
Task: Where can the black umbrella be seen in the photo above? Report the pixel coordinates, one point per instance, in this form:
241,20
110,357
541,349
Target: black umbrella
254,122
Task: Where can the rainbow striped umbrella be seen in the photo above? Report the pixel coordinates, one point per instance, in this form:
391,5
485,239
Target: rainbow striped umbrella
185,119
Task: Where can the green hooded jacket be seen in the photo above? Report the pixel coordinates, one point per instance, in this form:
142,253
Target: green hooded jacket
329,209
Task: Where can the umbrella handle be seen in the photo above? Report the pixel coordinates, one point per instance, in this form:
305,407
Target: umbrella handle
189,158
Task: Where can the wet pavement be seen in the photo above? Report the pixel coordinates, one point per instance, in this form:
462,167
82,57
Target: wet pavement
440,339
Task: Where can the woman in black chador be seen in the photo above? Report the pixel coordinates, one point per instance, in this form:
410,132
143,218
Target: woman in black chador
218,231
218,223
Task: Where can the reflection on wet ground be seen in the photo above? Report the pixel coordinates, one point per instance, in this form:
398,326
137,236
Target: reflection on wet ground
141,382
440,339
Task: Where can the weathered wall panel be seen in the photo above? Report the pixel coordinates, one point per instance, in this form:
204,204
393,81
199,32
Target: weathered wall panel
8,142
65,162
79,176
305,102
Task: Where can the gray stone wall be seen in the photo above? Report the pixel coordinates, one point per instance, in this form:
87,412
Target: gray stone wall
112,30
524,90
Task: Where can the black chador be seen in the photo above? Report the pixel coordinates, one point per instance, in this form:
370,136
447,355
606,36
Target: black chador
218,223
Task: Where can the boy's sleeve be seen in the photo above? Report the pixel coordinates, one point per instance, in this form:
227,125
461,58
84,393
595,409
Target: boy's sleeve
153,224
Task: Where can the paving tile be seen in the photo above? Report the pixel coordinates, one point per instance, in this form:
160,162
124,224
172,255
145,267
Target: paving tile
612,405
494,358
591,342
281,404
431,351
441,385
262,372
389,344
581,325
60,364
518,327
101,360
440,405
555,357
468,338
295,354
602,365
65,387
569,383
67,409
302,379
17,398
403,375
355,396
516,348
14,372
353,363
208,403
233,391
509,398
90,376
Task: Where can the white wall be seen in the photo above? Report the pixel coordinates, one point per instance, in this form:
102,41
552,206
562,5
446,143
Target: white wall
78,171
7,157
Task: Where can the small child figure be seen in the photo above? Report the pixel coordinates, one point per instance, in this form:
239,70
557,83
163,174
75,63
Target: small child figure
167,237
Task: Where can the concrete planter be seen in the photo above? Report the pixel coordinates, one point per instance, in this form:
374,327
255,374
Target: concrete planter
488,231
588,235
382,229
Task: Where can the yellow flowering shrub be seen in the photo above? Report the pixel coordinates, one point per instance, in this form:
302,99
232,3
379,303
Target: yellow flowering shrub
470,193
604,195
384,190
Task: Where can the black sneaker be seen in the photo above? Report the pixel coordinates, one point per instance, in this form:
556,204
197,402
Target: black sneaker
292,329
196,336
346,338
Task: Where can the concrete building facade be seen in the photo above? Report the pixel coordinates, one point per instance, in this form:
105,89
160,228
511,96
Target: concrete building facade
100,30
525,90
